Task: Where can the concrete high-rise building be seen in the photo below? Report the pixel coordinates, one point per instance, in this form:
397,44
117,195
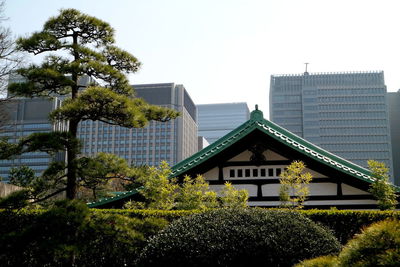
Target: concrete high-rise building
216,120
23,117
170,141
394,118
345,113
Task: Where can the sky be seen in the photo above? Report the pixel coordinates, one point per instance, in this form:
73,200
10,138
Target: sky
226,50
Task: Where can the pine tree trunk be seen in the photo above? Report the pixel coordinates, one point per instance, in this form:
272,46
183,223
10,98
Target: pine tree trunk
71,163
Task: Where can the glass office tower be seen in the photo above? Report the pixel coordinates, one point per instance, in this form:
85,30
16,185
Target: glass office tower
27,116
345,113
216,120
394,118
170,141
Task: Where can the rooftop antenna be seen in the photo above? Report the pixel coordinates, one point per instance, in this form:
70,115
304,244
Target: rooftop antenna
306,72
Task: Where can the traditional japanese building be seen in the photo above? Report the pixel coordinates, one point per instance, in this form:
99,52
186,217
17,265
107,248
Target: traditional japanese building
253,156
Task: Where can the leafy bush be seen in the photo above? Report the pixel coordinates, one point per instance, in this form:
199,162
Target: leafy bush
346,223
377,245
244,237
323,261
68,235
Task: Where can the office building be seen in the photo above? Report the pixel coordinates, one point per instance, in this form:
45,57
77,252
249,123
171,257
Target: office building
24,117
394,118
170,141
344,113
216,120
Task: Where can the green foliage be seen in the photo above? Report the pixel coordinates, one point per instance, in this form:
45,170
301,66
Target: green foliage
169,215
22,176
294,185
195,194
8,150
162,192
232,198
95,173
157,189
377,245
16,200
323,261
85,46
346,223
238,237
70,234
381,189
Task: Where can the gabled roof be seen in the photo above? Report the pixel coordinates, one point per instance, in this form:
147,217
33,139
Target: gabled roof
257,122
280,134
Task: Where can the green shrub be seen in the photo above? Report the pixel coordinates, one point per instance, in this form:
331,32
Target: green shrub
244,237
346,223
323,261
377,245
169,215
70,235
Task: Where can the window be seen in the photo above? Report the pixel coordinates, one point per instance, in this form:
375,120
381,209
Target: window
231,173
278,171
240,173
247,172
255,172
270,172
262,172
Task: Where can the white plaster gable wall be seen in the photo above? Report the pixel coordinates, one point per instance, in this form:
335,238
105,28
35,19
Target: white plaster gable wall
349,190
211,175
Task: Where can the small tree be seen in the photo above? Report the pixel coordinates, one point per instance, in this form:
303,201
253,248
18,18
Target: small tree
157,189
95,173
381,189
195,194
294,185
233,198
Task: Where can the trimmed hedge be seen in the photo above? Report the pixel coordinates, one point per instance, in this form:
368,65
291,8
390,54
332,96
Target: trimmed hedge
240,237
169,215
70,234
346,223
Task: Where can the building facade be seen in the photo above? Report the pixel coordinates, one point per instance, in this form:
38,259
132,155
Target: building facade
170,141
24,117
394,118
217,120
253,156
344,113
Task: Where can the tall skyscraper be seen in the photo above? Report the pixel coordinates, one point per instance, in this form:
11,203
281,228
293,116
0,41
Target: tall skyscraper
24,117
170,141
345,113
216,120
394,118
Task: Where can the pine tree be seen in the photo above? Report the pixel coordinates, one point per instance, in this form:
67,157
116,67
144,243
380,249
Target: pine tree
74,45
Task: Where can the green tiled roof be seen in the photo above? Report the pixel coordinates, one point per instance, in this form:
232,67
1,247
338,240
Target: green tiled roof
118,196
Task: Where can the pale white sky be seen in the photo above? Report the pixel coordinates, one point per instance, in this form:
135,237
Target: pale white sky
226,50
